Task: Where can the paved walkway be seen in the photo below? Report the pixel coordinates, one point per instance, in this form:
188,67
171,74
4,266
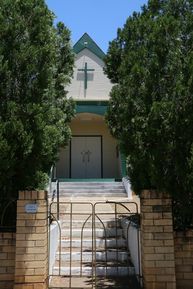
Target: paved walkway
101,283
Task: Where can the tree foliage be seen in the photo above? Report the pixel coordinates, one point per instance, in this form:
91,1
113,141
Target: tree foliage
36,63
151,106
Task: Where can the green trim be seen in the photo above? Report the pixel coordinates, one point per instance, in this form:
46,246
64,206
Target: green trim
123,165
96,107
100,110
86,42
86,180
92,102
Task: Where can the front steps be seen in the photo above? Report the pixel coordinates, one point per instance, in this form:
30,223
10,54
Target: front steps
101,271
93,189
110,255
100,233
92,241
109,243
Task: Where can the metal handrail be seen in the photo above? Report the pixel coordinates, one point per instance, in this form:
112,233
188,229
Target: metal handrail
50,179
60,243
52,176
56,193
58,199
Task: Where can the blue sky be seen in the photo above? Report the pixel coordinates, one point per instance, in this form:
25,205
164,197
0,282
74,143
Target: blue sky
99,18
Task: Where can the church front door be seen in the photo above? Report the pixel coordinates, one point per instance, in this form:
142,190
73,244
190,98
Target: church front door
86,157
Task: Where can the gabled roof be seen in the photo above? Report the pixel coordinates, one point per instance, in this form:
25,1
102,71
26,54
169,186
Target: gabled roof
86,42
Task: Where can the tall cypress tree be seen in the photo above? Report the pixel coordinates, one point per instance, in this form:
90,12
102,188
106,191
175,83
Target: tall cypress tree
151,106
36,64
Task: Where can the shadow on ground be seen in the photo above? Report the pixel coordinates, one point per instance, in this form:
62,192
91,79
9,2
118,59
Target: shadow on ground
99,283
115,283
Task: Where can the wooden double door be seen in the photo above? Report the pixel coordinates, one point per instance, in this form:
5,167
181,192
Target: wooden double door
86,157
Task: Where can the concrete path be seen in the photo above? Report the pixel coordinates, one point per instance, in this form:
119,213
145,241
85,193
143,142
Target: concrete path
101,283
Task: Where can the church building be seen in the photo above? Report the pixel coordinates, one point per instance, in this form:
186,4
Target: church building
92,152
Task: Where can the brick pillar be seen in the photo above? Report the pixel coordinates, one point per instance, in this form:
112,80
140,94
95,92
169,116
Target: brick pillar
157,241
31,260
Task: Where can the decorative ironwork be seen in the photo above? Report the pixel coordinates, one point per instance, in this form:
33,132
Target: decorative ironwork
93,217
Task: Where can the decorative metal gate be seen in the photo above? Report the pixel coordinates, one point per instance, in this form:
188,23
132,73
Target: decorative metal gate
98,245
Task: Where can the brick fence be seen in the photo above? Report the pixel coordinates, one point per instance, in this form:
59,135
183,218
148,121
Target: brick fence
31,259
184,259
157,242
167,256
7,260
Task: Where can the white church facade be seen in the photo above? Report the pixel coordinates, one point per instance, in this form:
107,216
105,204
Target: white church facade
92,152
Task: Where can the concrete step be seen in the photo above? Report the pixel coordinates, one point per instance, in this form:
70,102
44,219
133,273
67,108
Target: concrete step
83,216
82,208
100,271
85,196
111,232
100,243
91,188
90,184
92,191
121,256
79,224
82,224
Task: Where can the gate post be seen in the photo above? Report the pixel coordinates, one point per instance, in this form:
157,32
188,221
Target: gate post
157,241
31,260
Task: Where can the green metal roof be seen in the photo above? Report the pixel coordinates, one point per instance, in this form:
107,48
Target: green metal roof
86,42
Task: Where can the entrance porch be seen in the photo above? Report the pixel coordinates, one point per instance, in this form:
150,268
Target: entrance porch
92,152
